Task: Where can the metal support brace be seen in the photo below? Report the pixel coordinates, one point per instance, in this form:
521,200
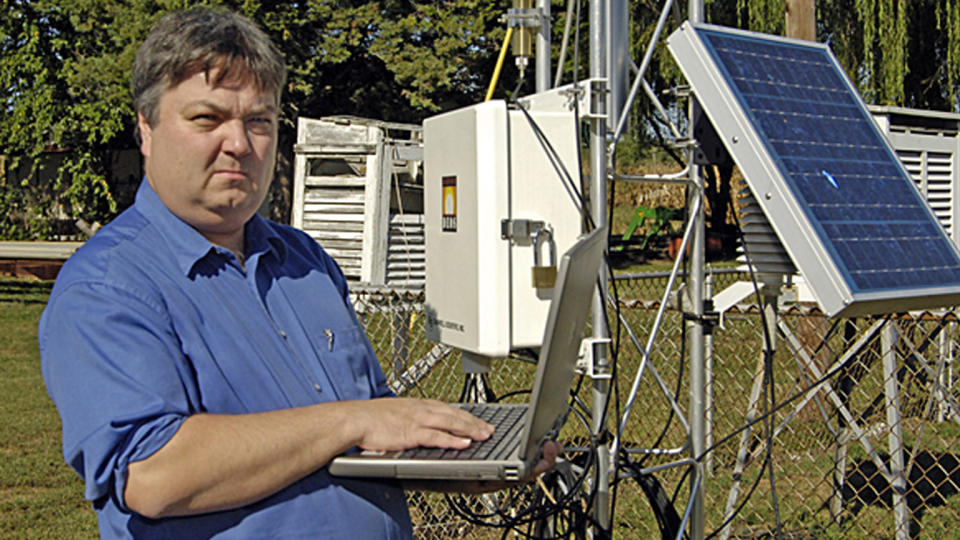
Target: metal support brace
859,433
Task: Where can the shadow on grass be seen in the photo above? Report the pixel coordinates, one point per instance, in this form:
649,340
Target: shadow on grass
24,291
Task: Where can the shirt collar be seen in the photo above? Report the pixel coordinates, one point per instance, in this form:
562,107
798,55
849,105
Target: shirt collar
187,244
262,238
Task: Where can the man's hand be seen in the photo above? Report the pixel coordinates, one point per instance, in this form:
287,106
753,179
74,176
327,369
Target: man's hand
550,451
401,423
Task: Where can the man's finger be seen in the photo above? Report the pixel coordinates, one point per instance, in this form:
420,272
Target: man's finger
458,422
550,450
441,439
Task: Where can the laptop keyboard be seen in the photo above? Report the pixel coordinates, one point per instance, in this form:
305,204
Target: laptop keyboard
506,419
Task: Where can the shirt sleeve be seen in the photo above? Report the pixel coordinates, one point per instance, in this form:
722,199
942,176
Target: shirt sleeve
113,367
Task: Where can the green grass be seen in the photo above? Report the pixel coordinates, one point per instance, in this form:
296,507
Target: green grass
40,496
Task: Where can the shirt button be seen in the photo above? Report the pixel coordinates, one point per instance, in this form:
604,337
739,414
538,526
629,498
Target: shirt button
282,334
317,387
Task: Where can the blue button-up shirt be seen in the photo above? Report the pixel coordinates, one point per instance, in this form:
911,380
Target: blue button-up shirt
149,323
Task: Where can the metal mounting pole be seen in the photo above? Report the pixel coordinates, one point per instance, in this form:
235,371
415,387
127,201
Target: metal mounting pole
598,209
543,47
696,344
696,335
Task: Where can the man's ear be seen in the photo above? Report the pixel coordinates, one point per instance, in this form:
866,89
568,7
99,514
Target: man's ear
143,127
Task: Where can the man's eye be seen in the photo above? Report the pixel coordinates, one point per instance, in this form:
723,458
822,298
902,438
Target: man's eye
204,118
260,123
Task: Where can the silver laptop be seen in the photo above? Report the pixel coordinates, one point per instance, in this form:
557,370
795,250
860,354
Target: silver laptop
514,449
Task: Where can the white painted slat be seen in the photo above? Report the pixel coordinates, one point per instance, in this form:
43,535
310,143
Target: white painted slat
328,234
350,195
318,217
322,208
334,181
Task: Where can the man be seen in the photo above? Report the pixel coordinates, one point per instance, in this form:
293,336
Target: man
206,363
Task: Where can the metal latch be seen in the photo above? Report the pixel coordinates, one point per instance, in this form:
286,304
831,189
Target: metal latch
590,350
517,229
544,275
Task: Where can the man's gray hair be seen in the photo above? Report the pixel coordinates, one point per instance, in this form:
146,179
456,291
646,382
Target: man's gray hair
184,43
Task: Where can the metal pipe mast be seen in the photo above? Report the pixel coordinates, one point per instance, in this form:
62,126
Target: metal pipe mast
599,48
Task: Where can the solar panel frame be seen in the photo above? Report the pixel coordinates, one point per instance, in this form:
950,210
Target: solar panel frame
813,250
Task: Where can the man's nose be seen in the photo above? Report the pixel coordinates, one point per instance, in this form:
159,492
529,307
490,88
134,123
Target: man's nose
236,140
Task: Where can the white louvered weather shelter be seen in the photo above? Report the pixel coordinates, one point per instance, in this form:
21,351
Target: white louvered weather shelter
358,190
928,144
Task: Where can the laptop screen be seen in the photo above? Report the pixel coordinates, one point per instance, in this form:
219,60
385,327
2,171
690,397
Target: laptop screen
566,322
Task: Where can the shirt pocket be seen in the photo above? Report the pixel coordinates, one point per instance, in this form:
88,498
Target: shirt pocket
350,362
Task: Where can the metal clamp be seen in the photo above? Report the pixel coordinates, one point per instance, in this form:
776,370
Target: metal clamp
524,17
519,229
590,350
582,96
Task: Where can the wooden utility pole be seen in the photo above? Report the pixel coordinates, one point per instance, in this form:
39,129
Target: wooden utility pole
801,19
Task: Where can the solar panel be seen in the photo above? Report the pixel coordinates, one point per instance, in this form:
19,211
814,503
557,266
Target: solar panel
828,181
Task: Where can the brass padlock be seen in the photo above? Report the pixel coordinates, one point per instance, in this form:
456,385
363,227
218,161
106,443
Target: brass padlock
544,276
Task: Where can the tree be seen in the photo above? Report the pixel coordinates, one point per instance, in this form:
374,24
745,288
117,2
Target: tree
897,52
64,68
64,71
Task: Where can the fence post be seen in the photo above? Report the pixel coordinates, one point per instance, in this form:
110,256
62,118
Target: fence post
898,481
708,381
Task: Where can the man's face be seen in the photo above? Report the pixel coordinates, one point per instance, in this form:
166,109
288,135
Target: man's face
210,154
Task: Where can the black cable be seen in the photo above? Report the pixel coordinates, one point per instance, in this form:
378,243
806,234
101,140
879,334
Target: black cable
743,502
530,512
577,193
516,89
614,377
768,378
825,377
668,521
566,178
536,510
535,507
676,392
465,390
558,165
533,513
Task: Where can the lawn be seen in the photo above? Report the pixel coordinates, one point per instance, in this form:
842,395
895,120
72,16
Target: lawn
40,496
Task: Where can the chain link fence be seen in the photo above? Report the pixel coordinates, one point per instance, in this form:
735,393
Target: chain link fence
849,429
